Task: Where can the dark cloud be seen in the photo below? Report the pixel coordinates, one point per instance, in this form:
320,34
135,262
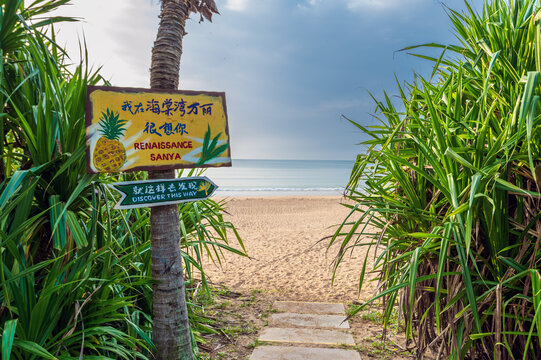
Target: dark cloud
291,69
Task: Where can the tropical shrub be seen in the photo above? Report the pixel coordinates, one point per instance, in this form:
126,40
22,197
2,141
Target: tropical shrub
75,277
451,185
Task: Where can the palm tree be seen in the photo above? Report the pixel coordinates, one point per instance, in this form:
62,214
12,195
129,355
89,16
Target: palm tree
171,333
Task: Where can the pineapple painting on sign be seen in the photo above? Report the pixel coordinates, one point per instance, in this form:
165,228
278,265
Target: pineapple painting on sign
130,129
109,153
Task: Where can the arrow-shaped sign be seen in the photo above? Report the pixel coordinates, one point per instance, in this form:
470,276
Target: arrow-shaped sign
136,194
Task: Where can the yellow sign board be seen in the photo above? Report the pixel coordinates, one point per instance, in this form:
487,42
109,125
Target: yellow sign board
130,129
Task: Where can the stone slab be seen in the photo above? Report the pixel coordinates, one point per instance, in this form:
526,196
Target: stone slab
309,320
309,307
307,336
302,353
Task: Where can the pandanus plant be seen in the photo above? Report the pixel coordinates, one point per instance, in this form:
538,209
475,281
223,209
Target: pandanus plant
451,184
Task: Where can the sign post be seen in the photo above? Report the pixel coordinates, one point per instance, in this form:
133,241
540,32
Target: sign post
136,194
130,129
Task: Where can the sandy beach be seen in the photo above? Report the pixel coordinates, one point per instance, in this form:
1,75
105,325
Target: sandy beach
287,259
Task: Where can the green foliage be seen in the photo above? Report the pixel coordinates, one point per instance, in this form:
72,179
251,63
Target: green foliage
110,126
211,149
449,191
74,274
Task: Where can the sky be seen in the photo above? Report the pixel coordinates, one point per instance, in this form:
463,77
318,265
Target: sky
291,69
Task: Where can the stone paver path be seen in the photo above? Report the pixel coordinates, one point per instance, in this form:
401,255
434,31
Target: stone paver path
306,331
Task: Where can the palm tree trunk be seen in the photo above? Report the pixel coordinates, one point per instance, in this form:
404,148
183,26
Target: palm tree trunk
171,331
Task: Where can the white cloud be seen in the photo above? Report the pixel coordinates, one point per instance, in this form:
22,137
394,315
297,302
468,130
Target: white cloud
237,5
310,4
359,5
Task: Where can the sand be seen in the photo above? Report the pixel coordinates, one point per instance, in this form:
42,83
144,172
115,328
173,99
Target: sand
288,260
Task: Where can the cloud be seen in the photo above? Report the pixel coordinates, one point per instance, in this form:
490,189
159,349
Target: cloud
237,5
360,6
356,5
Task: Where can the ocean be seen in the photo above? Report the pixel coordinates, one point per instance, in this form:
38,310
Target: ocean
281,177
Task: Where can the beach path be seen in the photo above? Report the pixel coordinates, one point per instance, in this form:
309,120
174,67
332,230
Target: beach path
306,330
290,264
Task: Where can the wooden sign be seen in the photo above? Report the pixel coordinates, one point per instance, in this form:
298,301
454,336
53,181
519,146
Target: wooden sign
150,193
130,129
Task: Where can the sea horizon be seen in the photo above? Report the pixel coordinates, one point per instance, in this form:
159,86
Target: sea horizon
281,177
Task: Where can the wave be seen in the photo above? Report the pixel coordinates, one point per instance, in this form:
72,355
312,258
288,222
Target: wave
282,189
